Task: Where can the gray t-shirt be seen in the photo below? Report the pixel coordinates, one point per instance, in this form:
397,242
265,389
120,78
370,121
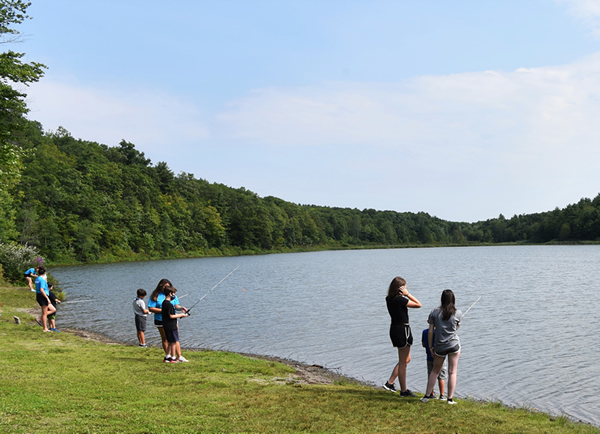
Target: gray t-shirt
446,332
139,306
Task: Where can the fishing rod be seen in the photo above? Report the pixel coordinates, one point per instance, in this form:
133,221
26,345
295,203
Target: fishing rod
470,307
211,289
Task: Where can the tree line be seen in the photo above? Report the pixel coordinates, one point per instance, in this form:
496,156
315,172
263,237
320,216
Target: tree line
84,201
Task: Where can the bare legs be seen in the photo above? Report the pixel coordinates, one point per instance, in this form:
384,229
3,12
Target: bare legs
452,373
141,337
163,339
399,370
46,310
438,362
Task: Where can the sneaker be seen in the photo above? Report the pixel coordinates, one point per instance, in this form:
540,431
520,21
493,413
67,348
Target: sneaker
55,330
143,345
451,401
167,360
432,396
390,387
174,361
408,394
425,399
182,359
442,398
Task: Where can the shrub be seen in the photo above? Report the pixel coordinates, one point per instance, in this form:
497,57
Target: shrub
16,258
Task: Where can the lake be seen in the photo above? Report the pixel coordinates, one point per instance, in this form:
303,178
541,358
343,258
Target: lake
524,343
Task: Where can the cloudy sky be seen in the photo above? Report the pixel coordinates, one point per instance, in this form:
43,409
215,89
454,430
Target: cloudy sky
462,109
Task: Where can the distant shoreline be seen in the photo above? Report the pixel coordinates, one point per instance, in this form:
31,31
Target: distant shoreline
145,258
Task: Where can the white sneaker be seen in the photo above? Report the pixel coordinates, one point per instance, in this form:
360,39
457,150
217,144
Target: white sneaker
182,359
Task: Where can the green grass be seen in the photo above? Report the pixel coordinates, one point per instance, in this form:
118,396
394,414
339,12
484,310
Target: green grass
59,383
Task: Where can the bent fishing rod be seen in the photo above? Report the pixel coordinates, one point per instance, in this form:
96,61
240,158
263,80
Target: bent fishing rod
471,307
211,289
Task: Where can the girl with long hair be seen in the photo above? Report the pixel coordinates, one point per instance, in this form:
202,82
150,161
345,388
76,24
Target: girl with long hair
445,320
398,301
43,298
155,306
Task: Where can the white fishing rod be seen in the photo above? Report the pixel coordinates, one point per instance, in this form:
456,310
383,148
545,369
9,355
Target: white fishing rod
211,289
471,307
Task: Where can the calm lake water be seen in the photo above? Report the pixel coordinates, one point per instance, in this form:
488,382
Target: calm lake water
525,343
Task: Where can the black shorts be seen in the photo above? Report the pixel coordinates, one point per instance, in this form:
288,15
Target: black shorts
41,299
451,350
401,335
140,323
172,336
158,323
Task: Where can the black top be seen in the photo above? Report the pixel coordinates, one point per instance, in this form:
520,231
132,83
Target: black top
398,310
169,323
52,298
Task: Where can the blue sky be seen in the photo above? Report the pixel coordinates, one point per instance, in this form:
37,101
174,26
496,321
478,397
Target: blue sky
463,109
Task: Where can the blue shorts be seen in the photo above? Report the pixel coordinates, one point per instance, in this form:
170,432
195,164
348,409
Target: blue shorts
172,336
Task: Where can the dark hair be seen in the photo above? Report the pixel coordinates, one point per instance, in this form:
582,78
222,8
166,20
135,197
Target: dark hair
169,288
41,270
447,307
50,286
159,288
394,290
141,293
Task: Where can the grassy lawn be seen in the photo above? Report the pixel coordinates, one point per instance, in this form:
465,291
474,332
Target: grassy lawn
59,382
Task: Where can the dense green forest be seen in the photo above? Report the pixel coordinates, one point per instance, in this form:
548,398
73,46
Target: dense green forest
84,201
78,200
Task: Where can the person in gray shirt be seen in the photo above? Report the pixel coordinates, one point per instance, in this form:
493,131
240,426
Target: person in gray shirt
445,320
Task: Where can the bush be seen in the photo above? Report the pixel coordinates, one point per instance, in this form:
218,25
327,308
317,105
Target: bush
16,258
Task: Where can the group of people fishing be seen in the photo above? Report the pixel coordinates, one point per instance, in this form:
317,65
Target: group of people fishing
441,341
164,304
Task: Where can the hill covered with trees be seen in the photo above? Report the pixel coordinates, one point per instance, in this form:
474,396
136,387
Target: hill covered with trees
83,201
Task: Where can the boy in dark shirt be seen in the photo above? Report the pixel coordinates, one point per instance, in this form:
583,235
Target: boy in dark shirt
52,316
169,319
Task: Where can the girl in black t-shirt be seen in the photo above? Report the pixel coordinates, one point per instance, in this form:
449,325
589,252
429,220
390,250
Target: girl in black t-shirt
398,301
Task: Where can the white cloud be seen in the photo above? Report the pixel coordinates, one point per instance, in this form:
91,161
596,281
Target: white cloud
154,119
521,141
586,10
527,111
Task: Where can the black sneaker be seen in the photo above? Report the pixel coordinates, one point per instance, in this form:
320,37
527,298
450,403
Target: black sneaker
408,394
390,387
451,401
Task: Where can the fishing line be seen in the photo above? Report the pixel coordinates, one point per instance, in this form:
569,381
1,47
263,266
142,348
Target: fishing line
77,301
213,288
471,306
